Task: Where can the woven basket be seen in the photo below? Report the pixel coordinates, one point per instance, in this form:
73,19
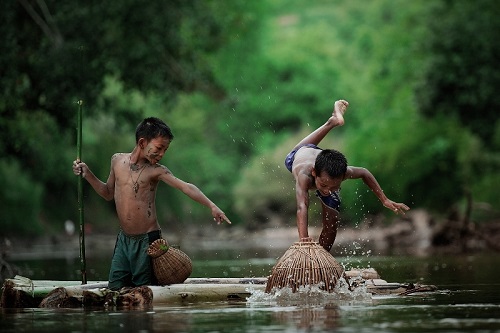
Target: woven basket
170,265
303,264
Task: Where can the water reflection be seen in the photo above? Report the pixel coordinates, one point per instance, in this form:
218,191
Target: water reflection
326,317
93,320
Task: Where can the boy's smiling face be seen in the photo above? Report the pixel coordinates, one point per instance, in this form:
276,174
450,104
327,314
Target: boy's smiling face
155,149
325,184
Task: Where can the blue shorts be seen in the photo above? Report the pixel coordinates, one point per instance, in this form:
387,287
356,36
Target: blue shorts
332,200
291,156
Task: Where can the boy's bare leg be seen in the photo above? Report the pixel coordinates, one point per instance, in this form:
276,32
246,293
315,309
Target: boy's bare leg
337,119
330,225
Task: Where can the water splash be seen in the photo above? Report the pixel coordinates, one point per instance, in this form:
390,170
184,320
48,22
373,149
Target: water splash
312,294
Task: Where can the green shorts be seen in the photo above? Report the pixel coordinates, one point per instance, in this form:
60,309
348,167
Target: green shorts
131,265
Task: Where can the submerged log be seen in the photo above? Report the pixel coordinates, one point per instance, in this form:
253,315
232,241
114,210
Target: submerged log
127,297
382,287
59,298
135,297
98,297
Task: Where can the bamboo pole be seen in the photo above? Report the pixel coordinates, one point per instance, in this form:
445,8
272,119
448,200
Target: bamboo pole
83,263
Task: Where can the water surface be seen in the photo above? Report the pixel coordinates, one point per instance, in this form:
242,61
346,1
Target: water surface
467,300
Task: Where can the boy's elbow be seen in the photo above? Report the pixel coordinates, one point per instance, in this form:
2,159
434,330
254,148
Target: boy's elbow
108,194
363,172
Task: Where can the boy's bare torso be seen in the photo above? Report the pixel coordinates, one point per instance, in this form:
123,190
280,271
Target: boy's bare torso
304,163
134,194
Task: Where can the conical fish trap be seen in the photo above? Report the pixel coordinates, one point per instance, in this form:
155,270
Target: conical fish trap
303,264
170,265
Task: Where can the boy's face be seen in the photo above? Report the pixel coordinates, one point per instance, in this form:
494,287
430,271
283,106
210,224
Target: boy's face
326,184
154,149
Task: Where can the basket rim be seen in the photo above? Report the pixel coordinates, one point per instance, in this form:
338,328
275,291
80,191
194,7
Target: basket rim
158,248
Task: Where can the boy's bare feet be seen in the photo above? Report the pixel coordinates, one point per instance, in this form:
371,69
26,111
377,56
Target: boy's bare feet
337,118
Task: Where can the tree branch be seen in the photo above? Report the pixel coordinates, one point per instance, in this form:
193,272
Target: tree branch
47,25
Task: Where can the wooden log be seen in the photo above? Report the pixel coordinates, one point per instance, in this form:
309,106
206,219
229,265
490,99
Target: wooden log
364,273
135,297
254,280
21,292
382,287
40,288
203,292
98,298
59,298
15,298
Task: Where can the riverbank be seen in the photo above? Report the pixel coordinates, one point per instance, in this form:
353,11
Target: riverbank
418,233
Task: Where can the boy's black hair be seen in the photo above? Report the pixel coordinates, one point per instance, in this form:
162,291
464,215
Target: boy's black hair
151,128
331,161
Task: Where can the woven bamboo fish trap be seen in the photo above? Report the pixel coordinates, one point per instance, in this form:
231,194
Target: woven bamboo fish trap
304,264
170,265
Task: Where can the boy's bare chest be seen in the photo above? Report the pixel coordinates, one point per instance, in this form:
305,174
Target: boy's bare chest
134,176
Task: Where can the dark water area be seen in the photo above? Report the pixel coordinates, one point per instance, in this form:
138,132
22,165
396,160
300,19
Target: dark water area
467,299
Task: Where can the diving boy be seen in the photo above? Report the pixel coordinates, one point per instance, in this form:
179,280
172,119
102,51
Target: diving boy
324,170
132,183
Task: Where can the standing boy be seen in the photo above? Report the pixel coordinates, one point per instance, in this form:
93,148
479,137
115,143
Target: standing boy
324,170
132,183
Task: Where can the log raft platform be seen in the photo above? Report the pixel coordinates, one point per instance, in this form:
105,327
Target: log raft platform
22,292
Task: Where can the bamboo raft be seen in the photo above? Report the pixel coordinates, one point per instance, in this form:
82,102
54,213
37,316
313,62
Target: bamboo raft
22,292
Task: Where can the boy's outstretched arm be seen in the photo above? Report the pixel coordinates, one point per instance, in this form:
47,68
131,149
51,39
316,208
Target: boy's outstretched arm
371,182
196,194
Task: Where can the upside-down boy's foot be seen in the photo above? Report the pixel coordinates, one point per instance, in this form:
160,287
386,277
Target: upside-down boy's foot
339,109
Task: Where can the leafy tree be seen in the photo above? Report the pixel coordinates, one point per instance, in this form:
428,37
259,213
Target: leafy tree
462,76
237,80
458,84
424,162
20,200
58,52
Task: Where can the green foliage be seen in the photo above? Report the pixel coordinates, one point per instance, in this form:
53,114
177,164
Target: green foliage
430,168
264,194
20,200
318,54
194,155
284,83
56,53
378,58
461,76
240,82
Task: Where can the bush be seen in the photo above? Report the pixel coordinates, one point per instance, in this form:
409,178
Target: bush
20,205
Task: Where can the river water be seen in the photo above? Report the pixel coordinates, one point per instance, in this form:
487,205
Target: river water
467,300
